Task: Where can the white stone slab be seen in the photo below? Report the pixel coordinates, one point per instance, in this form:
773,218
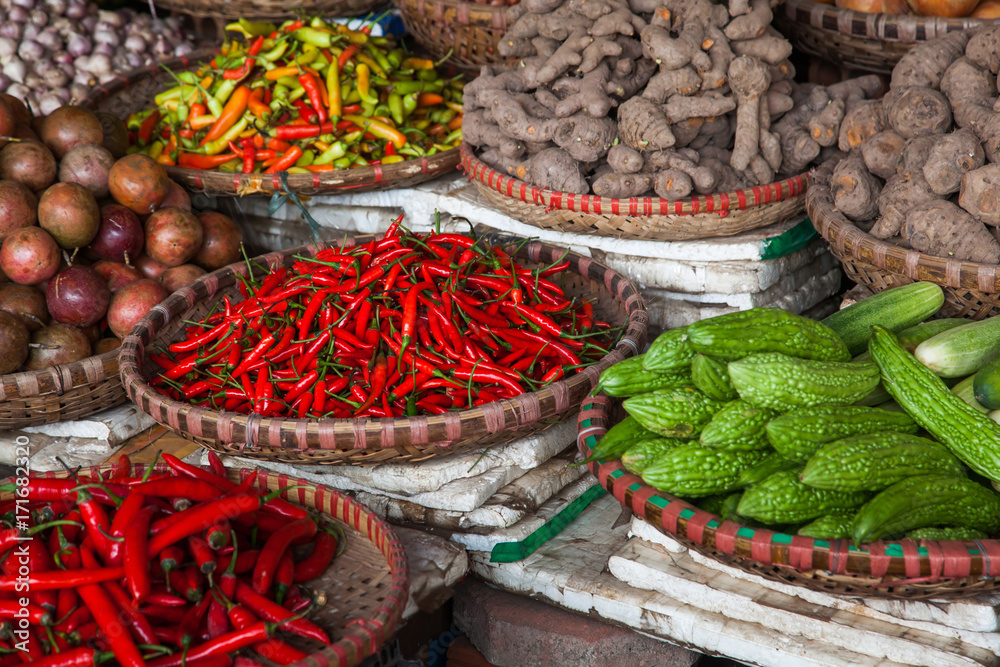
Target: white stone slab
484,539
116,425
977,615
506,507
458,483
457,197
570,570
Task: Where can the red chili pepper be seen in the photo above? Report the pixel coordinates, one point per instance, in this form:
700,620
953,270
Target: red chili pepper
317,562
283,576
127,607
146,128
345,56
248,62
245,561
77,657
226,644
134,556
275,548
287,160
200,517
311,87
275,613
378,382
106,614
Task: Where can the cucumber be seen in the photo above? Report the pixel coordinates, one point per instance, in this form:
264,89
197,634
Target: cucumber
780,382
711,377
965,390
895,309
829,527
783,498
924,501
760,330
629,378
947,533
963,350
910,338
986,385
971,436
676,413
644,452
670,352
693,471
618,439
738,425
798,434
874,461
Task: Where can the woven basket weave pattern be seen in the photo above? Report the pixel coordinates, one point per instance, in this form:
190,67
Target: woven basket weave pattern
136,90
366,587
858,40
269,10
971,290
644,218
368,441
905,569
468,31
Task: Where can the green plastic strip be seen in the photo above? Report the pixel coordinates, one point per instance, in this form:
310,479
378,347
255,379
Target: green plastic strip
511,552
796,238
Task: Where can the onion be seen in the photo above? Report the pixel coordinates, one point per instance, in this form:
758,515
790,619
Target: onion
111,17
30,31
57,7
76,10
56,78
49,103
78,92
33,81
82,77
134,60
30,50
18,14
107,78
98,64
4,81
79,46
18,90
11,30
39,17
63,58
135,43
16,70
107,36
89,23
27,4
51,40
183,49
8,47
161,46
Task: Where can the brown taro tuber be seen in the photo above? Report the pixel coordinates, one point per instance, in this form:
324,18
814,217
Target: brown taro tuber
624,86
619,22
622,186
542,6
703,179
915,153
952,156
771,47
680,81
824,127
643,125
752,24
686,131
675,36
940,228
514,120
901,193
720,55
980,194
625,160
926,63
916,111
965,82
749,79
855,191
864,120
983,48
883,152
868,87
672,184
779,104
986,124
551,168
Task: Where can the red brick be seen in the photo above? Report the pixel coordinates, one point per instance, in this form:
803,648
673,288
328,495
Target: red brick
516,631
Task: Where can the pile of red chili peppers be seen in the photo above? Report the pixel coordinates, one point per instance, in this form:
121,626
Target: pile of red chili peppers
165,570
402,325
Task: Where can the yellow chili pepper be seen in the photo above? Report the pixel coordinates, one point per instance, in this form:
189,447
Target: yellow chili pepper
363,76
280,72
380,130
156,149
374,66
333,87
392,159
417,63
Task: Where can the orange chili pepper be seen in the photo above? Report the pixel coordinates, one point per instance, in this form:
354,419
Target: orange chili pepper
455,122
318,168
278,144
198,161
256,103
197,109
201,122
429,99
231,113
167,156
347,54
287,160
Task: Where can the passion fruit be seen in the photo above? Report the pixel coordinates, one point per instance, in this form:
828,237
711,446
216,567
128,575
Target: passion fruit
119,237
88,166
139,182
28,162
180,276
131,303
77,295
13,343
21,114
26,303
18,206
149,267
68,127
116,274
29,256
222,242
70,214
57,344
176,197
173,236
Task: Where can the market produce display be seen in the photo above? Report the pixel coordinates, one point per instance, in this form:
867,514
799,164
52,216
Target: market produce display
305,97
188,568
623,99
922,171
763,418
80,272
53,52
403,325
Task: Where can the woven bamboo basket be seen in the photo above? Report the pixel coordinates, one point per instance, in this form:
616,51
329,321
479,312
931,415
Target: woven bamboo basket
366,587
269,10
970,290
906,569
858,40
468,31
69,391
135,91
644,218
367,441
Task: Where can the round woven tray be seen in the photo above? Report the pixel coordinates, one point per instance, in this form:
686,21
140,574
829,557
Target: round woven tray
970,290
363,440
468,31
644,218
269,10
135,91
70,391
906,569
366,587
858,40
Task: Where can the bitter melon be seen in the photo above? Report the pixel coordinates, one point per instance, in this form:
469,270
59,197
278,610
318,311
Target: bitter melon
676,413
783,498
778,381
799,433
738,425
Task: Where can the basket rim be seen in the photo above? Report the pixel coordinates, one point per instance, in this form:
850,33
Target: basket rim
847,237
467,13
720,203
343,180
905,28
944,560
235,427
256,10
361,637
58,379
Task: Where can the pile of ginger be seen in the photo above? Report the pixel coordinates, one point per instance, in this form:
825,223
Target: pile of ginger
626,98
923,170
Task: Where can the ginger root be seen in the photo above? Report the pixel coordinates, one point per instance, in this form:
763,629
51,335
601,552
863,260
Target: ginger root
943,229
749,80
644,126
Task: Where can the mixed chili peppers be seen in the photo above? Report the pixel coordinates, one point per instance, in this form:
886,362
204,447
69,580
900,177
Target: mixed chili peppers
403,325
174,568
305,96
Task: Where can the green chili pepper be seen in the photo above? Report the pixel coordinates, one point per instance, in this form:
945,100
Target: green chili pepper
220,144
308,158
428,75
289,82
352,137
188,77
231,167
396,108
315,37
306,57
224,90
182,111
395,57
342,163
274,53
408,87
336,151
454,136
379,57
296,94
382,110
255,29
409,103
